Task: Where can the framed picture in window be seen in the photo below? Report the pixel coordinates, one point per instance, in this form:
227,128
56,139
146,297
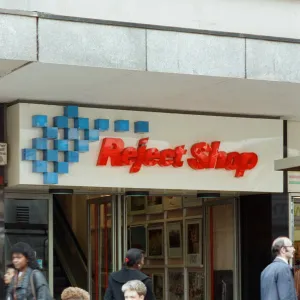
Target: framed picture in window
154,204
158,285
138,237
193,229
176,285
155,245
172,202
137,205
196,285
192,202
174,239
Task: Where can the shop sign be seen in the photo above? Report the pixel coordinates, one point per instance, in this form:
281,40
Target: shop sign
3,154
203,156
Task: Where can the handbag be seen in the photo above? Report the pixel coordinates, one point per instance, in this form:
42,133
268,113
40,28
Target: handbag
33,287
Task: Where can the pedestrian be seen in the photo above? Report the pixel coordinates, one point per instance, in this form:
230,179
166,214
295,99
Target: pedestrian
277,282
134,290
75,293
9,274
131,270
28,282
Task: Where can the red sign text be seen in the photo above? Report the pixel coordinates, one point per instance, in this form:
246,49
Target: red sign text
204,156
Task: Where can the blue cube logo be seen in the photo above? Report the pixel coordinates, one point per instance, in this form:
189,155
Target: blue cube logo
61,167
39,121
39,166
55,147
61,145
72,156
121,125
141,127
71,111
101,124
61,122
81,123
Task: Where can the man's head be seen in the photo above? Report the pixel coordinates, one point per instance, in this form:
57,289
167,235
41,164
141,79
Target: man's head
9,274
134,290
75,293
283,247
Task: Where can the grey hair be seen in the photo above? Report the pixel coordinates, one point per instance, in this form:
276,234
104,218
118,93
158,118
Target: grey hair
135,285
278,243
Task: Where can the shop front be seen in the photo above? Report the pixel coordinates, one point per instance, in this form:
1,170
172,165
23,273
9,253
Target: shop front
170,184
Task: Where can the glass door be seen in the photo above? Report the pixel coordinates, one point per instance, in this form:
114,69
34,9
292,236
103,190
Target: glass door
29,219
221,250
105,241
295,235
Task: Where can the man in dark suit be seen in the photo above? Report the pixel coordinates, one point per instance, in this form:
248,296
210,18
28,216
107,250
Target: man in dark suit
277,280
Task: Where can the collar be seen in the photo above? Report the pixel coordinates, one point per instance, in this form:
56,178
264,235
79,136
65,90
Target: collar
283,259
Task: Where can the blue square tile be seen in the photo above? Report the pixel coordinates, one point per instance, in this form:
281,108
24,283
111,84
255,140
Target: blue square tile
61,145
50,178
91,135
101,124
81,145
39,121
51,155
71,134
121,125
141,127
39,166
61,167
29,154
71,156
81,123
39,143
61,122
71,111
50,132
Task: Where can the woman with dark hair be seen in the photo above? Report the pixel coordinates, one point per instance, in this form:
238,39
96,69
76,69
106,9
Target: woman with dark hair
134,262
28,282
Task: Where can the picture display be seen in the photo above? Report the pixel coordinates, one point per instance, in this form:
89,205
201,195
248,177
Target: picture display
154,204
137,205
176,285
155,242
174,240
194,242
158,283
171,236
196,285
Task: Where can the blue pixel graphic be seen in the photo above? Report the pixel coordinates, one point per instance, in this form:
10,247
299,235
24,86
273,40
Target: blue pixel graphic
61,145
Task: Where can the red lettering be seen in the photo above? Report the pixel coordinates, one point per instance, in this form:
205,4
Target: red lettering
179,152
151,157
128,156
248,161
167,157
111,148
142,147
204,156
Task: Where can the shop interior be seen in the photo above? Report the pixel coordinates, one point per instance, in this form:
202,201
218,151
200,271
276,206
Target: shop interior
190,241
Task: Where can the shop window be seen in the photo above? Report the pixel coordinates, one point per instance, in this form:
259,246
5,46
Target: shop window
170,231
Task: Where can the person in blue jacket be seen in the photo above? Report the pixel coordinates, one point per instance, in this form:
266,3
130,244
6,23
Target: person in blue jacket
277,280
134,261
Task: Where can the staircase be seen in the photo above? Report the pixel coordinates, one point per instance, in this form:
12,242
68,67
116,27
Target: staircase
60,278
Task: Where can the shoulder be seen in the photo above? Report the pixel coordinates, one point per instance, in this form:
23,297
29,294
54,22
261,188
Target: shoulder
38,277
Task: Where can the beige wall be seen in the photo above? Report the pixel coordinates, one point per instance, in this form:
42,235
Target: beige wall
223,221
260,17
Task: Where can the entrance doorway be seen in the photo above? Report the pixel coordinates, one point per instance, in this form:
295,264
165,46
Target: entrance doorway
106,240
221,250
